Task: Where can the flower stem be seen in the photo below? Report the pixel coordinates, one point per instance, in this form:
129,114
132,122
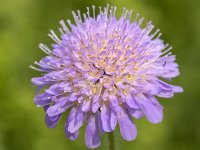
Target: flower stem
111,140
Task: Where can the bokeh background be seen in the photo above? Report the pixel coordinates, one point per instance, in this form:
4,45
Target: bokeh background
25,23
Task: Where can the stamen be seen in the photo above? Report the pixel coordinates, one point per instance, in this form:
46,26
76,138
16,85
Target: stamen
114,10
126,13
61,30
64,26
44,48
137,15
166,45
37,69
148,27
88,11
69,23
79,15
166,55
106,10
110,15
93,9
140,21
158,35
53,36
84,16
152,36
77,21
41,64
167,50
100,10
123,11
129,14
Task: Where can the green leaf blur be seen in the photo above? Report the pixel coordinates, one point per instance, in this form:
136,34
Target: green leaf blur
26,23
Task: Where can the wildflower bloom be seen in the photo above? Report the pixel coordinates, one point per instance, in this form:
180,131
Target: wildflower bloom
105,71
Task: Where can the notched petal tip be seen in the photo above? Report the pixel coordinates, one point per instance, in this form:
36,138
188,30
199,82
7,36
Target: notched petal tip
72,136
51,122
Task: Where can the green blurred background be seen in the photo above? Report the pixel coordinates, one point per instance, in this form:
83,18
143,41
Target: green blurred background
25,23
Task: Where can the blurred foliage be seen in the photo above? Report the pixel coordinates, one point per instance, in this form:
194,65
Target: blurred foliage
25,23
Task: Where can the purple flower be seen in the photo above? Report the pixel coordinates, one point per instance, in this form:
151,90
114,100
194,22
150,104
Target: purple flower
105,71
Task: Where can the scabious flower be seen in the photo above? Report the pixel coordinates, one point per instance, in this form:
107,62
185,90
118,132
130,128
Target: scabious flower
105,71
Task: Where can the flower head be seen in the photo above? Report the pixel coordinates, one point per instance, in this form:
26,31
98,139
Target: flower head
105,71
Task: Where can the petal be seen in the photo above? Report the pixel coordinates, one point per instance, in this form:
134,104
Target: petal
113,100
127,127
39,88
129,99
97,95
114,105
58,107
40,81
73,96
119,83
54,90
105,118
136,113
75,120
98,118
151,89
72,136
81,66
91,134
85,106
51,122
153,111
95,107
178,89
43,99
113,120
167,90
